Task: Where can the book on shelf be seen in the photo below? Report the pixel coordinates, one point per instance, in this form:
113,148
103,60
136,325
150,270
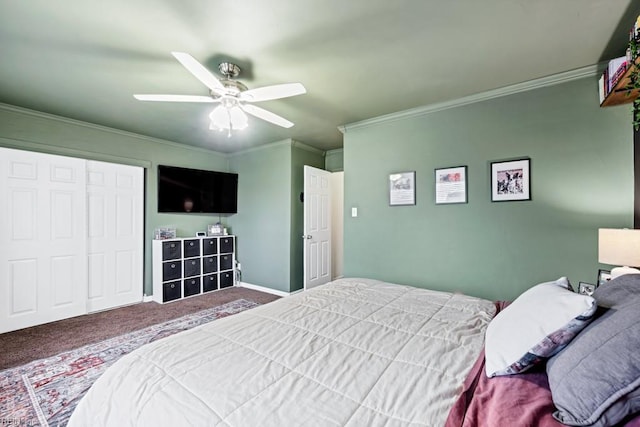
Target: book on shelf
617,68
611,75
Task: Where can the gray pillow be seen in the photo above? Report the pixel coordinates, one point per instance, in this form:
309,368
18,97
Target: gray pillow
595,380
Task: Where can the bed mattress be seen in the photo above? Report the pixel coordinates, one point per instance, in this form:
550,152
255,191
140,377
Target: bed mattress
353,352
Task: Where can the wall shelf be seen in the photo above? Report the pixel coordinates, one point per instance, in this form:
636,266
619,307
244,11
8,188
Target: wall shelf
618,94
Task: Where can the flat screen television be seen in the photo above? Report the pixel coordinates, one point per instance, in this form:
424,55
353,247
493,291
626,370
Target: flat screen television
196,191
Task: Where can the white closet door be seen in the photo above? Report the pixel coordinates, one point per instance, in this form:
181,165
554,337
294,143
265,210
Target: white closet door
43,264
115,199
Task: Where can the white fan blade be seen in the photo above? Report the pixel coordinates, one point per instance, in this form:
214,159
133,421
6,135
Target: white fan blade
263,114
198,70
174,98
273,92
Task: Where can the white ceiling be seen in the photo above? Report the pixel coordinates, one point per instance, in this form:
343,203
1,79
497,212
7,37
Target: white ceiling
358,59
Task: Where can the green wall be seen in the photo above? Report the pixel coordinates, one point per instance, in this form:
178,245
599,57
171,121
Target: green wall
334,160
264,215
582,179
270,216
28,130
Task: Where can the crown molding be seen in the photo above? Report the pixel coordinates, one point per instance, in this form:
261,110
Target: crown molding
303,146
93,126
555,79
289,142
21,144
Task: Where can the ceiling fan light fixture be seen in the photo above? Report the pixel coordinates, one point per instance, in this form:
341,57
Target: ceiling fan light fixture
239,119
228,118
235,99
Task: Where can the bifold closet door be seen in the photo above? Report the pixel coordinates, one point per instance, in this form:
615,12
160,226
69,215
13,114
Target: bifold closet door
115,203
43,261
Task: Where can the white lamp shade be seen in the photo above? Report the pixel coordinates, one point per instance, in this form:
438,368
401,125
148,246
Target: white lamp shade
619,247
228,118
238,118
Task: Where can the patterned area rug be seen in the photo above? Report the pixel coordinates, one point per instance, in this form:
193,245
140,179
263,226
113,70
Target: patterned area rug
45,392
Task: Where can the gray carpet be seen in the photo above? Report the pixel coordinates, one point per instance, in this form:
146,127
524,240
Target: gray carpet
22,346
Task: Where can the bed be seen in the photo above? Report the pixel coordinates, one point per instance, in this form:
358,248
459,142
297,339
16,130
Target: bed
354,352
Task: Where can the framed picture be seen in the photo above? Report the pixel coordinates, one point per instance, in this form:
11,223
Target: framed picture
451,185
586,288
402,188
603,277
511,180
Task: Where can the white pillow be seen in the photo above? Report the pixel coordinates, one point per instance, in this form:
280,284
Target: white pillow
537,325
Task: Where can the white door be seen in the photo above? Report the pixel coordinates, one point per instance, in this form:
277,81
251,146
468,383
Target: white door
115,212
317,227
43,266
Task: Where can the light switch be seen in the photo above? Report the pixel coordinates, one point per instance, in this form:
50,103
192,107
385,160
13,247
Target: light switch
354,212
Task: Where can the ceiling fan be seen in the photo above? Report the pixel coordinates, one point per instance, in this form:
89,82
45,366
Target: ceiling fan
235,98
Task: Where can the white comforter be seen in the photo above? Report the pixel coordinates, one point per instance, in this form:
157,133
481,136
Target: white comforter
355,352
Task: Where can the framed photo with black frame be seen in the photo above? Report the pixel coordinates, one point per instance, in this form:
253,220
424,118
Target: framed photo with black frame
402,189
585,288
451,185
511,180
603,277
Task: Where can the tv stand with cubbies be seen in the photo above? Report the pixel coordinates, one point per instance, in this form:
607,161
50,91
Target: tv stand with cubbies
190,266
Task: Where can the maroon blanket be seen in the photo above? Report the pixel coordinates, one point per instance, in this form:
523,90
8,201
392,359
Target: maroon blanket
515,400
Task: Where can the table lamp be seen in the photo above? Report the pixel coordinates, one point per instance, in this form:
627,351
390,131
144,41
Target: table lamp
619,247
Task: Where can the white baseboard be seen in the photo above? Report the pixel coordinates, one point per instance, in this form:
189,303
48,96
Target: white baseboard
147,298
265,289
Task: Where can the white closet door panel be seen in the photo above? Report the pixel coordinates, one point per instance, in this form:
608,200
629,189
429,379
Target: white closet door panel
125,216
22,213
62,216
97,276
43,239
97,224
62,268
125,277
23,290
116,214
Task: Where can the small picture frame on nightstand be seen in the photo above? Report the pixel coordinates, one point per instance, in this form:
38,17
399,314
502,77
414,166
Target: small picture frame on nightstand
586,288
603,276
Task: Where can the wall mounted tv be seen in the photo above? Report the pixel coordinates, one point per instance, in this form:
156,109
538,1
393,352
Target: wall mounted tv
196,191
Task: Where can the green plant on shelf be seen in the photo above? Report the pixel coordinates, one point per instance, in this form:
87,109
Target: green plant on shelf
634,77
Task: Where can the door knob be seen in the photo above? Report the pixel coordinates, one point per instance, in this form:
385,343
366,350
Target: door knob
307,236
